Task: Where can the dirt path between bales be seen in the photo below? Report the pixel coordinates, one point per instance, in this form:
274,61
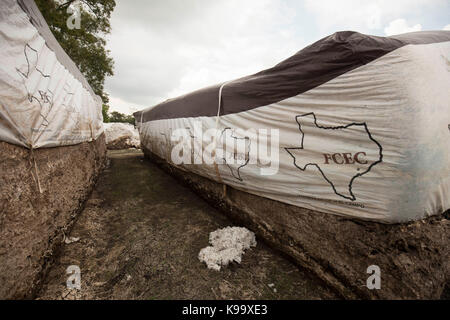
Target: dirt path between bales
139,238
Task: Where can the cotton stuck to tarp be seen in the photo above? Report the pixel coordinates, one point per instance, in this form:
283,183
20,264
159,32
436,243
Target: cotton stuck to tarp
363,128
44,99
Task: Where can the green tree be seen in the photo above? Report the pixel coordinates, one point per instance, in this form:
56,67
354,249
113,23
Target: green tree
120,117
86,45
105,110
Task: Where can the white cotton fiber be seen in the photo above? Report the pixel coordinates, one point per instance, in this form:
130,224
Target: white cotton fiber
228,245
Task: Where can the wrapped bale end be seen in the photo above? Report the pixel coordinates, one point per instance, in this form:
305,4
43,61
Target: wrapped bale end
52,146
339,156
121,136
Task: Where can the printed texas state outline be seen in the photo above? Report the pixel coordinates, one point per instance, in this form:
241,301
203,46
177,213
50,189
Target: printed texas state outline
30,72
43,96
341,154
234,161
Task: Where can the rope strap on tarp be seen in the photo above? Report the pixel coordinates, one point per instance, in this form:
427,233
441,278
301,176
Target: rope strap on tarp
36,172
216,167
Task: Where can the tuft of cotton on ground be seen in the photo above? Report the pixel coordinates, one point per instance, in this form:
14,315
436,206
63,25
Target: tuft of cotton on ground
227,245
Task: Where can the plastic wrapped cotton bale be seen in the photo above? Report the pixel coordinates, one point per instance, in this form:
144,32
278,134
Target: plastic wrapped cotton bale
228,245
121,136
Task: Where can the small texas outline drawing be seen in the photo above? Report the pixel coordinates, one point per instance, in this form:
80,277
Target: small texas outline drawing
45,98
235,172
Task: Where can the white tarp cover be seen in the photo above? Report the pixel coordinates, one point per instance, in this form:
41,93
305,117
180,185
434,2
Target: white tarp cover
372,143
44,100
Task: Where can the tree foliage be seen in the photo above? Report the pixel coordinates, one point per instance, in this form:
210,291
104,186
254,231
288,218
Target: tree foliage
116,116
120,117
86,46
105,110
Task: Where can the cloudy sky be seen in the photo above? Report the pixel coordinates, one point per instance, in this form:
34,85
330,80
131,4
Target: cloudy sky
165,48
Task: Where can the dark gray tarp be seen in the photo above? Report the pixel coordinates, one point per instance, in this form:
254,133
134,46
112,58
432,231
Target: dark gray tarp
312,66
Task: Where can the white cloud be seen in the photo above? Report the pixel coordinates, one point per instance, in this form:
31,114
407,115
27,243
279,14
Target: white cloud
165,48
117,104
447,27
363,15
168,48
399,26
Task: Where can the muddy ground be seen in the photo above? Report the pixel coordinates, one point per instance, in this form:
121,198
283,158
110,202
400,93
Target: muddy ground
140,234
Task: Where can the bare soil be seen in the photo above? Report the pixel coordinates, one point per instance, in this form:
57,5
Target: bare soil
41,194
140,235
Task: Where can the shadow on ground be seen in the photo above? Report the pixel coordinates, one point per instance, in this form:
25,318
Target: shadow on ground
140,235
